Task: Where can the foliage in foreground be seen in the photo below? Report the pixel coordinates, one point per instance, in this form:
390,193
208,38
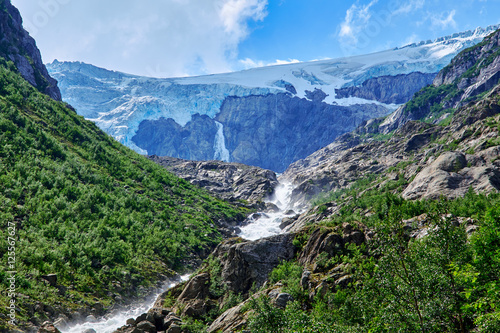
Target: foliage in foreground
444,282
100,216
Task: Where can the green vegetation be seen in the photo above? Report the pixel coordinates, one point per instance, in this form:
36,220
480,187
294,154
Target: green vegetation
446,281
430,101
378,136
100,216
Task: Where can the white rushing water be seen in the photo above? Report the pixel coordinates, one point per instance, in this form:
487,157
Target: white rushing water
265,224
113,322
221,152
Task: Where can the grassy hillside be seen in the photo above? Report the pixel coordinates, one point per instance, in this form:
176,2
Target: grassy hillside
82,206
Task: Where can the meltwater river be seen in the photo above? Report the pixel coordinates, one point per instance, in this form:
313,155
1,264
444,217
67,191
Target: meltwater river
266,225
113,322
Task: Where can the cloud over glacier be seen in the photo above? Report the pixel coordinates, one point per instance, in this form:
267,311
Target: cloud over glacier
190,36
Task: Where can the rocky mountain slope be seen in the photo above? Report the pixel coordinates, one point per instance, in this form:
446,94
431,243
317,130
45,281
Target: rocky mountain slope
267,117
447,115
18,46
402,235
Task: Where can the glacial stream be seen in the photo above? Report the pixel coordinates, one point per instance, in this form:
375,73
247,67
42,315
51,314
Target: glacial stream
259,225
113,322
265,224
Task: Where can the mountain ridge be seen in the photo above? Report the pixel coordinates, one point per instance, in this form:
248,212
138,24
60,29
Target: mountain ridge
120,103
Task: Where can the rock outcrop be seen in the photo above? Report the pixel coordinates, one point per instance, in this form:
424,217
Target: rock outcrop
239,267
331,242
248,263
396,89
19,47
232,320
450,176
228,181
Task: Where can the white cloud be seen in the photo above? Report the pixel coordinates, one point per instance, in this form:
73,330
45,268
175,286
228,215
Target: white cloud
234,14
156,37
409,6
356,19
444,20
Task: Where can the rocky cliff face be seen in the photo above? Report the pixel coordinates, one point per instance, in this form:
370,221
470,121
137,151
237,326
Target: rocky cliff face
396,89
228,181
247,264
286,127
17,46
164,137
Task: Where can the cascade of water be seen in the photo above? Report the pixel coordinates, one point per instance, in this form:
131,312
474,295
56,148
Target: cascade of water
264,224
221,152
111,323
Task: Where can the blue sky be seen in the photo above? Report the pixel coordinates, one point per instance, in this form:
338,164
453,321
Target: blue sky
166,38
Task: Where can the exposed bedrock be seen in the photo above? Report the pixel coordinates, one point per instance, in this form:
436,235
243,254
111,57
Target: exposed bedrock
164,137
270,131
19,47
397,89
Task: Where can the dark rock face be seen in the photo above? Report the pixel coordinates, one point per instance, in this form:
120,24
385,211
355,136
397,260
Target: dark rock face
389,89
17,45
247,262
270,131
228,181
273,131
164,137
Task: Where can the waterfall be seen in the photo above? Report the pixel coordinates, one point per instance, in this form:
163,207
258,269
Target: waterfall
221,152
264,224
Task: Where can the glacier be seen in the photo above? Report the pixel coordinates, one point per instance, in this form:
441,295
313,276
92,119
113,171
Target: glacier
119,103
